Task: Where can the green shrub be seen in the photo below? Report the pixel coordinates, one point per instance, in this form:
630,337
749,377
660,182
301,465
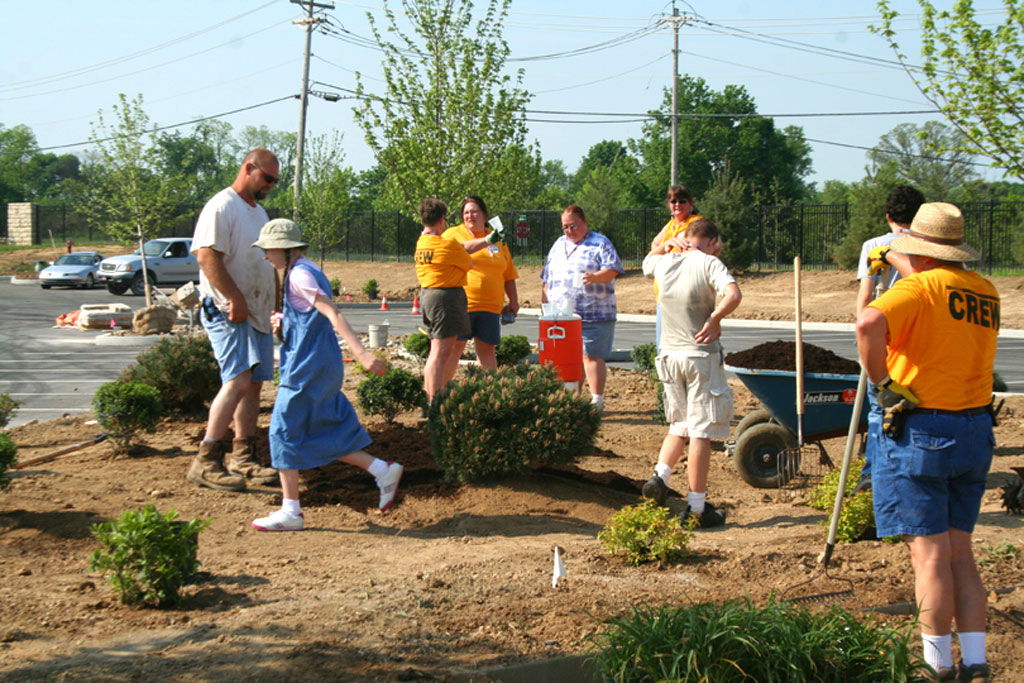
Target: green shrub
857,515
646,532
499,422
182,368
8,406
123,409
389,395
8,453
737,641
512,349
370,289
148,556
643,355
998,384
335,285
418,344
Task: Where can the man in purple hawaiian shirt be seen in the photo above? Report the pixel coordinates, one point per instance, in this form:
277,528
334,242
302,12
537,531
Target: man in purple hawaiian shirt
582,266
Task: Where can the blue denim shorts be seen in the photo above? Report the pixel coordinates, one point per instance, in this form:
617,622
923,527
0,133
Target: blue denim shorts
238,347
597,338
485,326
932,479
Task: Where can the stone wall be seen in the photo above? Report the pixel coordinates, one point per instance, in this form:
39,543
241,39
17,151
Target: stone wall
20,219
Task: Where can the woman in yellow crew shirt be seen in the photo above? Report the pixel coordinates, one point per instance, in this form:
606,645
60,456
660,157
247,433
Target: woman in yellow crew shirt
492,279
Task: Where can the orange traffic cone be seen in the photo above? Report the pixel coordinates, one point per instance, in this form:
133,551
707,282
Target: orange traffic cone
416,306
384,304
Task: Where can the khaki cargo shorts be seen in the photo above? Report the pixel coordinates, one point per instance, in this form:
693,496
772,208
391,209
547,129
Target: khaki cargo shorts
698,400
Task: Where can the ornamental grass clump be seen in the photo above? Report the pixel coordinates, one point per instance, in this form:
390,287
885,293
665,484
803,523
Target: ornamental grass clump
398,390
123,409
646,532
8,454
147,556
501,422
737,640
183,369
418,344
512,349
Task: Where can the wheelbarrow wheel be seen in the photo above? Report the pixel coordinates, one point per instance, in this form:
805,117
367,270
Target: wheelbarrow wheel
757,417
757,454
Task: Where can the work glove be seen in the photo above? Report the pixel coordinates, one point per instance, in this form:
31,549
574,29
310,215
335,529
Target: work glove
877,260
494,236
497,233
896,401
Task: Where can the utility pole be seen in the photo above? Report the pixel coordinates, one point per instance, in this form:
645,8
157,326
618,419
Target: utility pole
300,142
676,19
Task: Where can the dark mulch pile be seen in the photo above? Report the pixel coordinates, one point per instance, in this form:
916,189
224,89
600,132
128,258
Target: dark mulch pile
781,355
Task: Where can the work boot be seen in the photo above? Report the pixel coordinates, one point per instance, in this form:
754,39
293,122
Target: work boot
242,461
208,470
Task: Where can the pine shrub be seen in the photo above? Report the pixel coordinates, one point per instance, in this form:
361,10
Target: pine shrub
123,409
147,555
643,355
182,368
8,406
8,453
495,423
646,532
387,396
418,344
512,349
371,288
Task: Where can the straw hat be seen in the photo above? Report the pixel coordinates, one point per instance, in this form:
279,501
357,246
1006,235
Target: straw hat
936,231
280,233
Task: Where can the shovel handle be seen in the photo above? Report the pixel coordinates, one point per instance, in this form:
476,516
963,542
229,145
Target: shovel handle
798,316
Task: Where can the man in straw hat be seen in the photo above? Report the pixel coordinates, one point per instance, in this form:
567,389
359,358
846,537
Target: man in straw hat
237,286
928,346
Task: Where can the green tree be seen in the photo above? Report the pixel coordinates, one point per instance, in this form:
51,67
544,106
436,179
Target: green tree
929,157
600,196
26,174
202,162
729,203
866,198
326,192
128,195
752,147
555,187
282,144
972,73
450,122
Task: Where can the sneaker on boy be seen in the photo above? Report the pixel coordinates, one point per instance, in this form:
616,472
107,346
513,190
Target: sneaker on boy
388,485
711,517
655,489
279,520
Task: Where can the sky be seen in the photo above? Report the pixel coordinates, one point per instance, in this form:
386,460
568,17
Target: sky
64,60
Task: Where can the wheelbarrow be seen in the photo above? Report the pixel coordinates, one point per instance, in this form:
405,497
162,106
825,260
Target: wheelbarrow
763,437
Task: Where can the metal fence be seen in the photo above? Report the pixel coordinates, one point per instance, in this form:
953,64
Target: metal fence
812,231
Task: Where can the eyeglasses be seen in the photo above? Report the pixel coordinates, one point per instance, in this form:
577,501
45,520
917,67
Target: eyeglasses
570,226
269,179
679,201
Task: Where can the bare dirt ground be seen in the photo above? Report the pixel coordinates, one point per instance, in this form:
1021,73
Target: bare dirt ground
453,579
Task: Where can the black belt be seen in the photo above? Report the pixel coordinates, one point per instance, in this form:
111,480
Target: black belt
967,411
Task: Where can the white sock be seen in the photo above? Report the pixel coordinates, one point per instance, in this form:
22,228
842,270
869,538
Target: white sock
378,468
663,471
972,647
597,398
938,651
696,501
291,507
207,439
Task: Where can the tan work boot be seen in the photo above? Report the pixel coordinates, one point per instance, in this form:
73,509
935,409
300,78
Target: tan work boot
208,470
242,461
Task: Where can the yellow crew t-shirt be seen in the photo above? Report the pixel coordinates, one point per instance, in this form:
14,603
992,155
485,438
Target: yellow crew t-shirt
943,325
441,262
492,268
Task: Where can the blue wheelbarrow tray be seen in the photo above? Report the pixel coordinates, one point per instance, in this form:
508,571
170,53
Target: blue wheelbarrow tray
828,400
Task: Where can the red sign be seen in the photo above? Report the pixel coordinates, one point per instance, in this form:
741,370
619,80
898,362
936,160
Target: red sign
849,395
522,230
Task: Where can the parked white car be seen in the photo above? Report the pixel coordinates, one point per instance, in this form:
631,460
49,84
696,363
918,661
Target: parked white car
168,259
77,269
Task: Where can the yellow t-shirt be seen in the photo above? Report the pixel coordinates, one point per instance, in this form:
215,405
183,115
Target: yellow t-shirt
943,325
492,268
672,228
441,262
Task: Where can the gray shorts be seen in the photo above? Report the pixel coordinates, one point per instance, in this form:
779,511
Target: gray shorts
698,400
485,326
444,312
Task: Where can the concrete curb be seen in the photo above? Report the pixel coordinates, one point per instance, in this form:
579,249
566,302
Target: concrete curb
129,341
24,281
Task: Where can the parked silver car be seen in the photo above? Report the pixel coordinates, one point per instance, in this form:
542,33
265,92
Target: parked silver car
168,259
77,269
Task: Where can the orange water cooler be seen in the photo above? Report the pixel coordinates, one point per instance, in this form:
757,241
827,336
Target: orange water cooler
561,343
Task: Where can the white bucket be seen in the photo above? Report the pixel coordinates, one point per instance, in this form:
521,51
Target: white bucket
378,336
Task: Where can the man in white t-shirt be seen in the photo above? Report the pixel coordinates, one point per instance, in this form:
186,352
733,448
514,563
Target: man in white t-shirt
698,400
237,286
900,206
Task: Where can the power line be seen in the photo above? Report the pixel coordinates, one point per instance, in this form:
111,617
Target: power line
894,152
601,80
174,125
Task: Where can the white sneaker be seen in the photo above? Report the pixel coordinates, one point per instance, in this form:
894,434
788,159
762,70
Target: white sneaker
388,485
279,520
597,402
